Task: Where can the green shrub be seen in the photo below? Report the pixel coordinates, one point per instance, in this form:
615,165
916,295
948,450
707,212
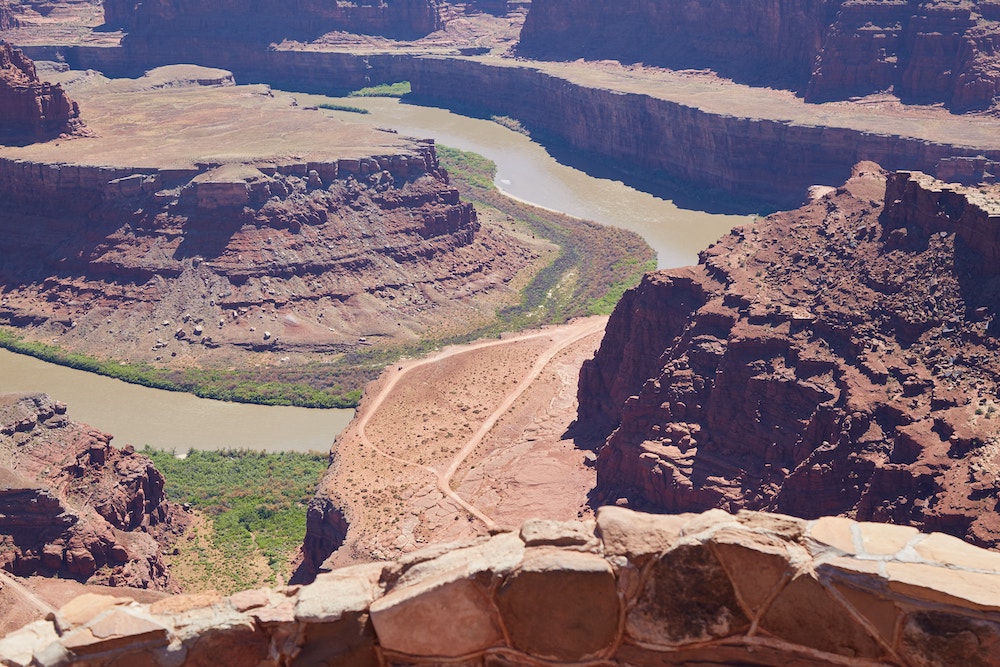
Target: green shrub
383,90
256,501
342,107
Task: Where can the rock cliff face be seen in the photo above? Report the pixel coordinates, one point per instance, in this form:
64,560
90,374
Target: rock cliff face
924,51
71,505
774,41
30,110
7,18
651,135
836,359
269,20
629,589
641,133
939,51
290,257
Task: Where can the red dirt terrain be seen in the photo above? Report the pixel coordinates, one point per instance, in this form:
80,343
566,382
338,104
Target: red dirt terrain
73,506
836,359
472,439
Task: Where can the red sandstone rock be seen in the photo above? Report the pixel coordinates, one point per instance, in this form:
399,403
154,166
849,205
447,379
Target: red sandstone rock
939,51
7,18
837,359
72,505
760,42
271,20
327,252
30,109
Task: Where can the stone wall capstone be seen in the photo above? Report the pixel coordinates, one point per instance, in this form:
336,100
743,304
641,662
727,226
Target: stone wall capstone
628,588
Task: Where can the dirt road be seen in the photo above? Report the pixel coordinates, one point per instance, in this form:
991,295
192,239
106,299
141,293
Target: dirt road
461,430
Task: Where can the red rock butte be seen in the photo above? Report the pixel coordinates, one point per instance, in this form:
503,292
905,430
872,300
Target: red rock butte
244,222
835,359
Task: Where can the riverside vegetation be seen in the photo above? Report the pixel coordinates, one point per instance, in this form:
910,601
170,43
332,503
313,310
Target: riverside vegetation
593,266
250,514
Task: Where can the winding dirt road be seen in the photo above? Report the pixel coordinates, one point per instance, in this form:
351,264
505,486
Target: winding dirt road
561,338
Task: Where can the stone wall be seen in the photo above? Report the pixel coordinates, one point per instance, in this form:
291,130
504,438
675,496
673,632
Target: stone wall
630,588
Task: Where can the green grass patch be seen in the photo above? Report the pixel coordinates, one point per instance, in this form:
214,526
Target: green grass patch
596,263
256,502
384,90
342,107
313,385
512,124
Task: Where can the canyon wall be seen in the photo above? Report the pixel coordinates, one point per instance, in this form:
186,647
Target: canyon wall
268,20
73,506
775,161
652,139
7,18
938,51
31,110
836,359
770,42
924,51
711,589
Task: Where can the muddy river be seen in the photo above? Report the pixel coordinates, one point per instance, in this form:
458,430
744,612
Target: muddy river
178,421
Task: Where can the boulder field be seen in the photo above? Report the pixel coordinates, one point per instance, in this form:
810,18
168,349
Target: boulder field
838,359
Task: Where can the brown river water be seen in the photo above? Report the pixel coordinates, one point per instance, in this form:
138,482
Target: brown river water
177,421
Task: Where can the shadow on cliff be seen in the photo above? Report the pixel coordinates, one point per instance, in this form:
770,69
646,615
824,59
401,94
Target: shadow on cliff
657,183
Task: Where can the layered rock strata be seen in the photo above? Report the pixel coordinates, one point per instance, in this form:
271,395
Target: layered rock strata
753,150
923,51
30,109
837,359
938,51
186,20
711,589
73,506
774,41
656,127
172,256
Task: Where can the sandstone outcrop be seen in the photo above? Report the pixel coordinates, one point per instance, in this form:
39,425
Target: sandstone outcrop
773,42
711,589
7,18
71,505
938,51
652,126
166,20
30,109
836,359
753,144
316,244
